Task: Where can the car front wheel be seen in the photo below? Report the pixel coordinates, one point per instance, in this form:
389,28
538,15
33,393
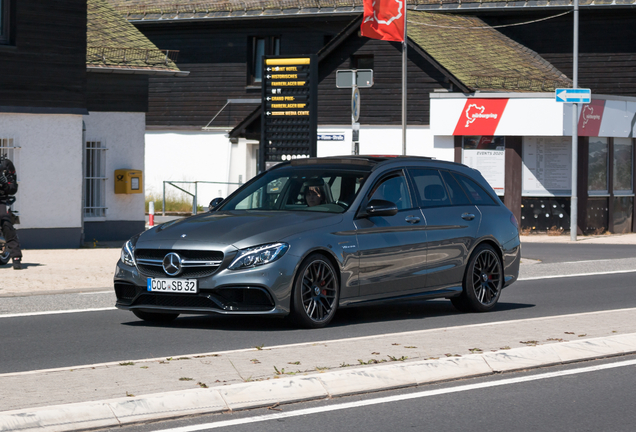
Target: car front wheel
315,294
483,281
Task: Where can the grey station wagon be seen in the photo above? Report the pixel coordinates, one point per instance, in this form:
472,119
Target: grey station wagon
312,235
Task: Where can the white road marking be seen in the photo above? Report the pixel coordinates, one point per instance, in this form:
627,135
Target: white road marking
324,342
575,275
97,292
397,398
56,312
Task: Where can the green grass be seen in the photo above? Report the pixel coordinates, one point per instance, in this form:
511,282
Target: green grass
174,203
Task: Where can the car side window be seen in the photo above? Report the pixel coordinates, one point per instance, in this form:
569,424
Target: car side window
392,188
457,195
430,187
476,193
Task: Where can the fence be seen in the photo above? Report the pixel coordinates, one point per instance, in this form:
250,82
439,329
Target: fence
193,195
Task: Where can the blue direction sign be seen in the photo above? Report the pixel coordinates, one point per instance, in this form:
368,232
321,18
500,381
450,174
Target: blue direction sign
573,95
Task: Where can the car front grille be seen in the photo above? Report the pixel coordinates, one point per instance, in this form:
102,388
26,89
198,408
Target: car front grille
246,299
194,263
176,301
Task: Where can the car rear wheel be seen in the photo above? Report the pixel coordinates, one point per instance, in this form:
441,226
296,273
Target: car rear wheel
155,317
483,281
316,292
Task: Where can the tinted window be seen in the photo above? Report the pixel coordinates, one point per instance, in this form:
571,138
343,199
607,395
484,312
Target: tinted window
392,188
431,191
475,192
299,188
457,195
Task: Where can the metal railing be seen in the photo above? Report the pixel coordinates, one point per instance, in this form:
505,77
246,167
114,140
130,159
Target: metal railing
193,195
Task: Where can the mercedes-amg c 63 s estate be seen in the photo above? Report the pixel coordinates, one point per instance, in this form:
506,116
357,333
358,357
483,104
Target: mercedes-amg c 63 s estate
310,236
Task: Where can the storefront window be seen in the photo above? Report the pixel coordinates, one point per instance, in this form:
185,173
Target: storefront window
487,155
597,167
623,169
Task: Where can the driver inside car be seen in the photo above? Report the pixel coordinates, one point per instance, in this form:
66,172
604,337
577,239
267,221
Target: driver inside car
314,196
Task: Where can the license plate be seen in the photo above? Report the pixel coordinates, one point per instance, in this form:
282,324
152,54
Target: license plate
185,286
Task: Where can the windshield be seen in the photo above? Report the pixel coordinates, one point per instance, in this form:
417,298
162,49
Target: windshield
324,189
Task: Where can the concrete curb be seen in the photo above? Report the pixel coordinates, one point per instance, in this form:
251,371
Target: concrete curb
162,406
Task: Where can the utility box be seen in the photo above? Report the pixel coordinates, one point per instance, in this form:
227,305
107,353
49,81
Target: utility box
128,181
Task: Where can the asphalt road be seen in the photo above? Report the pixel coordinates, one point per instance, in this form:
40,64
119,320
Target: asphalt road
563,252
70,339
589,396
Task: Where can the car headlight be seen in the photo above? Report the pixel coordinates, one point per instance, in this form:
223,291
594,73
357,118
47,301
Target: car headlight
257,256
128,254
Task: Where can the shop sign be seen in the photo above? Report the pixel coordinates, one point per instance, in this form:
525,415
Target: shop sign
480,116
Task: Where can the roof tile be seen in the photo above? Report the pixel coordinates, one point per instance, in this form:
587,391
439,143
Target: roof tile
480,56
113,42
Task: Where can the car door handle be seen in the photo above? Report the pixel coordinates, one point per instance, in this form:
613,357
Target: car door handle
412,219
468,216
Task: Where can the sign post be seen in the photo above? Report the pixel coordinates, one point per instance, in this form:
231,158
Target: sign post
574,96
354,79
289,119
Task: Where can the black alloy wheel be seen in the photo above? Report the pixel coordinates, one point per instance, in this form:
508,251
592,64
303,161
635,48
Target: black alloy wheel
316,292
483,281
155,317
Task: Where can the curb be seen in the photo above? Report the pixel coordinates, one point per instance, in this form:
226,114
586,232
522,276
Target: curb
163,406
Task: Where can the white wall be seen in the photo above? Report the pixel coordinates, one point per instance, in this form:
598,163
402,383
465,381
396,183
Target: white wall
190,156
49,166
385,140
123,134
210,156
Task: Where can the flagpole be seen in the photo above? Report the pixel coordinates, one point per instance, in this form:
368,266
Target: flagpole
404,85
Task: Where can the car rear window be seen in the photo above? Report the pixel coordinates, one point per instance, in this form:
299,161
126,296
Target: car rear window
476,193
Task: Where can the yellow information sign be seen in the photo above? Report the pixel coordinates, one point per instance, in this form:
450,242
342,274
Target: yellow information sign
288,83
287,61
291,105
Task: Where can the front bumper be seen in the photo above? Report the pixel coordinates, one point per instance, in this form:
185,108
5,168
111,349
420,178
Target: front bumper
263,290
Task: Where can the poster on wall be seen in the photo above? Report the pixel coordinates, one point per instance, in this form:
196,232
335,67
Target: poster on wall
487,155
547,166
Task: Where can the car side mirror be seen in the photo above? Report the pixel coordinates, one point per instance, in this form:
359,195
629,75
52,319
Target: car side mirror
378,207
214,204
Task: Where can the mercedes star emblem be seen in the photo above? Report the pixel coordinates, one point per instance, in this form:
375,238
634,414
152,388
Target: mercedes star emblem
172,264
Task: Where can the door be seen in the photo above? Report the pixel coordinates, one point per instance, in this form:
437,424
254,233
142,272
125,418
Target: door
392,249
452,223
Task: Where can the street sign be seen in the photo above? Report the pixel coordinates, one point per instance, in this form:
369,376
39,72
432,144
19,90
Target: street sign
571,95
355,104
363,78
289,125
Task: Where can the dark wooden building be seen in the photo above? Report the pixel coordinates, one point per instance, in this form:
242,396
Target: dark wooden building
220,43
73,84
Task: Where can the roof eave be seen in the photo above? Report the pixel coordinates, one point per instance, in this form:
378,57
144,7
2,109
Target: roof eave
137,71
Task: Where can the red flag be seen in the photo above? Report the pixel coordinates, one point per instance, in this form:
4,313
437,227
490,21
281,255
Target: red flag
384,19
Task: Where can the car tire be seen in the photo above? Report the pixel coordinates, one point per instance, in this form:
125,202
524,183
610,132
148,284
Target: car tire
155,317
316,292
483,281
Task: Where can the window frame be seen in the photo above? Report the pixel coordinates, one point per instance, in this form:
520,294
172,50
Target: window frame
627,142
5,22
94,195
416,190
271,46
386,176
494,201
599,192
356,59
